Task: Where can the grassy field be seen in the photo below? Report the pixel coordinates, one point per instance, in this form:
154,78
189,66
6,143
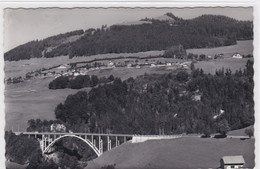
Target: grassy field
188,153
240,132
226,63
242,47
31,100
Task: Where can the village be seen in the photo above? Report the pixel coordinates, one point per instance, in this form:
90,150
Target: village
83,68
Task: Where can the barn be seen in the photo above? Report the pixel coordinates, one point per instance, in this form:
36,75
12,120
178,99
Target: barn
229,162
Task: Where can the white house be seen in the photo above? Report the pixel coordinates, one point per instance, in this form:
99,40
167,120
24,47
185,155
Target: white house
237,56
228,162
168,64
76,73
58,127
111,64
62,67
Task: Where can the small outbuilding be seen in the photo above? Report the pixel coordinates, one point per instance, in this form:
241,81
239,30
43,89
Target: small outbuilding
229,162
237,56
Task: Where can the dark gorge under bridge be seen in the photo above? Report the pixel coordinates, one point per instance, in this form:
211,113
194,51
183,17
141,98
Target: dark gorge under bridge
97,141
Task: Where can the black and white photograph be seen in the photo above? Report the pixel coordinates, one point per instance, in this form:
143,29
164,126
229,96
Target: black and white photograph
129,87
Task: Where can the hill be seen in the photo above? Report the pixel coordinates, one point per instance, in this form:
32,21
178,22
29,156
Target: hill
177,153
148,34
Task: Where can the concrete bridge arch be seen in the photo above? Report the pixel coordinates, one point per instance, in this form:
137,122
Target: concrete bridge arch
88,142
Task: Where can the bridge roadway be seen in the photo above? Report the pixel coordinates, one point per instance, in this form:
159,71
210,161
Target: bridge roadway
70,133
99,142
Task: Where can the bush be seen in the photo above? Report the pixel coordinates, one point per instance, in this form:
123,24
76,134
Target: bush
249,132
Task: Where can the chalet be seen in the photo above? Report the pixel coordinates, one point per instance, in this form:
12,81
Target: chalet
111,64
152,65
58,127
129,65
62,67
76,73
228,162
237,56
168,64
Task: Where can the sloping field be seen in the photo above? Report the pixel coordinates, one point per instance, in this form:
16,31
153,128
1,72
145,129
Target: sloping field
31,100
242,47
240,132
226,63
182,153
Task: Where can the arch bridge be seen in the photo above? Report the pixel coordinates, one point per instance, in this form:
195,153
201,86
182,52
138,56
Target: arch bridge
97,141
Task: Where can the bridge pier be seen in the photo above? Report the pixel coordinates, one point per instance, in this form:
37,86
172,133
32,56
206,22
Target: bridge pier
116,141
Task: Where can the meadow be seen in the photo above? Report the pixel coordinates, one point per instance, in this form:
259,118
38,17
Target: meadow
188,153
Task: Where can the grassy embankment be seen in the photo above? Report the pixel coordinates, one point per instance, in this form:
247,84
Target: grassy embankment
188,153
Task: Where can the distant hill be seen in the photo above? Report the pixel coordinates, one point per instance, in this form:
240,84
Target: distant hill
144,35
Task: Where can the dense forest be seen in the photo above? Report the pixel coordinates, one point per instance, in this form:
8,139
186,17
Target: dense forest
200,32
174,103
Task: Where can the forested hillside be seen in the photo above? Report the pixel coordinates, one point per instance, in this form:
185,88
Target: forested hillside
200,32
170,103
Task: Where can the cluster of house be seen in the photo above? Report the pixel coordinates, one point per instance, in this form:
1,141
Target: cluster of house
67,70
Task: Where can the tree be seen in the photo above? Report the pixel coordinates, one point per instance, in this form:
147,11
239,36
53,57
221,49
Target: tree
192,66
249,132
182,76
222,127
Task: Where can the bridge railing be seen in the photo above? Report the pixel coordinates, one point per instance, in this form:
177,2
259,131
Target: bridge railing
143,138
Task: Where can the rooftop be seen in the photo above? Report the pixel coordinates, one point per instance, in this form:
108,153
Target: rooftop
233,160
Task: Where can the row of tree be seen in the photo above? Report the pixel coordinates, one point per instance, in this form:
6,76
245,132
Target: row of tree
78,82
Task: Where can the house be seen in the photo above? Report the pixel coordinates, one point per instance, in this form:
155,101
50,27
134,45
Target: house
58,127
168,64
76,73
152,65
237,56
111,64
62,67
137,67
228,162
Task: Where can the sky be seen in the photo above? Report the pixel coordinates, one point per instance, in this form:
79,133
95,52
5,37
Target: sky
24,25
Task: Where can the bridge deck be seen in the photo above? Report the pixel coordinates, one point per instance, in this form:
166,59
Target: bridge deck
81,134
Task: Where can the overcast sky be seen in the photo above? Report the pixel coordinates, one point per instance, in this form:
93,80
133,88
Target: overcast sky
24,25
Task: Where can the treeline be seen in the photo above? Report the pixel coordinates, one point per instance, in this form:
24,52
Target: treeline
41,125
36,49
78,82
153,104
200,32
